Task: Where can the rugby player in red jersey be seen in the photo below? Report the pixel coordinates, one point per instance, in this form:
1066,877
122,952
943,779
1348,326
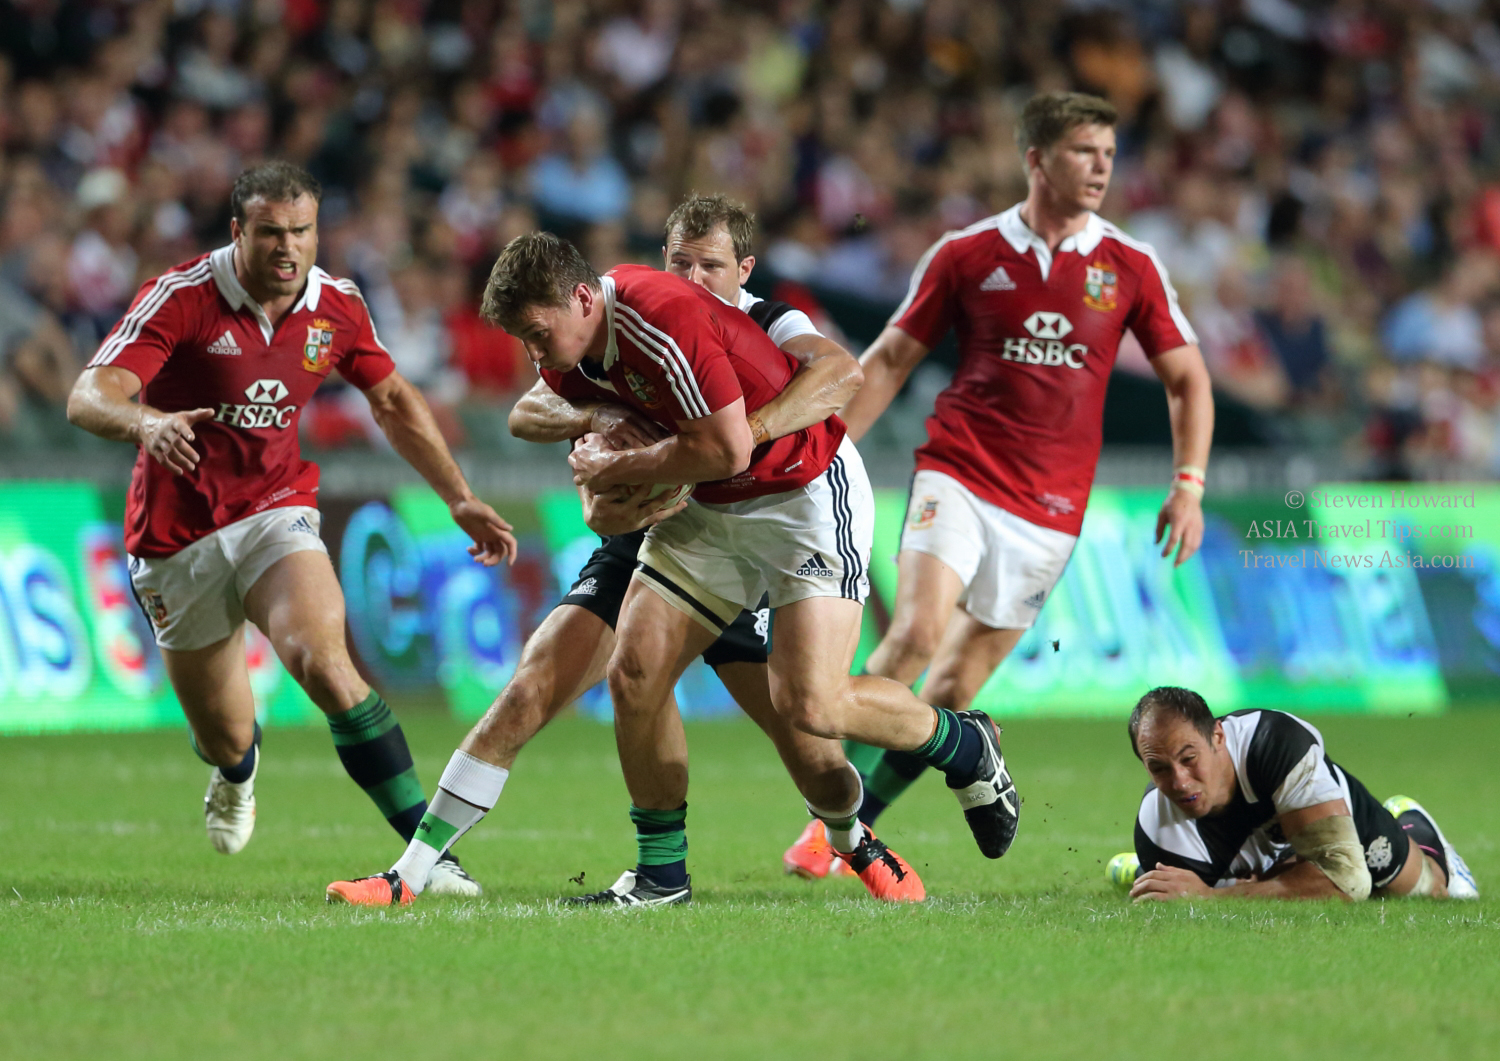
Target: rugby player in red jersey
708,241
792,517
207,373
1040,297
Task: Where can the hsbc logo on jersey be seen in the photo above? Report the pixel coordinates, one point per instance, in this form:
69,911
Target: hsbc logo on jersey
1048,325
261,410
1045,347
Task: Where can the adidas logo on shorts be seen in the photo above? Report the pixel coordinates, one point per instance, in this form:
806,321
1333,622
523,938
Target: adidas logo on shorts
301,526
1036,599
587,588
815,567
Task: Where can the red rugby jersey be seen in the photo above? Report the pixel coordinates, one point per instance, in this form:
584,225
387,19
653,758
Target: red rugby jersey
1022,422
678,352
197,340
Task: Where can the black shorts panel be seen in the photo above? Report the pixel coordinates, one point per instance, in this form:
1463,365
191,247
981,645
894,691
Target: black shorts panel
601,584
1374,824
742,640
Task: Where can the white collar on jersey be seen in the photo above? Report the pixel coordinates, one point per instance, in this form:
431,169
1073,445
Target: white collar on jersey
221,265
1019,235
611,349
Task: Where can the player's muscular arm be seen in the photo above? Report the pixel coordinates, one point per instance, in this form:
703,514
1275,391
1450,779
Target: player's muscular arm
404,416
542,415
1300,880
102,403
1190,404
886,364
710,447
828,378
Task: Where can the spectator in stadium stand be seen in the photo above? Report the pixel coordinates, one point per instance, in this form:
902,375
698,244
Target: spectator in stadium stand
1250,806
221,520
1040,297
1296,332
1442,324
581,182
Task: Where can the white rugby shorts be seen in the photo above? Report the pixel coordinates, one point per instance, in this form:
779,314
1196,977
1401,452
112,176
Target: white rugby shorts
1008,566
196,596
712,561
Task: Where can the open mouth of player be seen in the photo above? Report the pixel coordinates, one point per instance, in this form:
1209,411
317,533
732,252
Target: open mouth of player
1187,801
284,270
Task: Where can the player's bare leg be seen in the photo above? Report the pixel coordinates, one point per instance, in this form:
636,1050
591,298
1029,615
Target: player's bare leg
299,606
832,790
213,686
654,645
927,591
811,687
562,660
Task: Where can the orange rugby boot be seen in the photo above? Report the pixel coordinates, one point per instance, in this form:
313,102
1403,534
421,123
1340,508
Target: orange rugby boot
383,889
885,874
811,857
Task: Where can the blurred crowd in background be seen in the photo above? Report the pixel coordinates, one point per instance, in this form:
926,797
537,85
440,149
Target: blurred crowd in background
1322,179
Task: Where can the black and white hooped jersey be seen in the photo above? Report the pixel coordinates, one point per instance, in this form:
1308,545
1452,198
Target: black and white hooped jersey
1280,765
780,321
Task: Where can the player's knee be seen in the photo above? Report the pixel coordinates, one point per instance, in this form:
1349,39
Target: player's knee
914,639
629,682
321,672
811,711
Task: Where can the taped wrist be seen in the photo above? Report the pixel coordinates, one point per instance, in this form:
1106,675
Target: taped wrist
1332,844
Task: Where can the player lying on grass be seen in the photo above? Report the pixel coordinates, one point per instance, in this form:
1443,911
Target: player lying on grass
708,241
207,374
1040,297
1250,805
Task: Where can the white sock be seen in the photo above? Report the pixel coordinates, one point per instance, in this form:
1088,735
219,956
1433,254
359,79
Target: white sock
467,790
844,828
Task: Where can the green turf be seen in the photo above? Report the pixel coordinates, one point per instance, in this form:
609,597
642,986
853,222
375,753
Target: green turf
124,935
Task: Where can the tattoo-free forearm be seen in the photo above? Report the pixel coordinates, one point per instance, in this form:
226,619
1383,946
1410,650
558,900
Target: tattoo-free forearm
821,387
407,421
101,405
541,415
1301,880
886,364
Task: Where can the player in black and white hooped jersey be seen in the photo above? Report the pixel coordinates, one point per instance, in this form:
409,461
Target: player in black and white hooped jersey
1251,805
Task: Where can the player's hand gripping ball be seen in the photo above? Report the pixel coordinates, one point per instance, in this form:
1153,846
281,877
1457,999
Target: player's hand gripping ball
1123,870
586,460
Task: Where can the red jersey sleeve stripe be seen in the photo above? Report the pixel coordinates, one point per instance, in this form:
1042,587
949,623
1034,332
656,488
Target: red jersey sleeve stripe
129,328
669,355
1179,318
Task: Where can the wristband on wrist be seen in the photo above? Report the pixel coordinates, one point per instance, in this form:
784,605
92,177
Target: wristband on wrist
758,432
1188,477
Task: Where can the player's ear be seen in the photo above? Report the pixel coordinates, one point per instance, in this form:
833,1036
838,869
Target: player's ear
586,297
747,265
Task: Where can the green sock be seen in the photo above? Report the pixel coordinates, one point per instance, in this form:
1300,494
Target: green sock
863,757
374,753
661,843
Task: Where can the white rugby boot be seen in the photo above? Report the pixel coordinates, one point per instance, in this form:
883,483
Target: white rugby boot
229,810
449,878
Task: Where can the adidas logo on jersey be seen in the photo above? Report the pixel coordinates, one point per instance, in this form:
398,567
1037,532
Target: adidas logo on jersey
999,280
225,346
1036,599
815,567
587,588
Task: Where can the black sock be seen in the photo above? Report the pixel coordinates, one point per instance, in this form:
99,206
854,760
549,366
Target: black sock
374,753
953,748
892,775
1420,829
245,768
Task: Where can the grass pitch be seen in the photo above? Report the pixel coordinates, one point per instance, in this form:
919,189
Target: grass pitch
124,935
